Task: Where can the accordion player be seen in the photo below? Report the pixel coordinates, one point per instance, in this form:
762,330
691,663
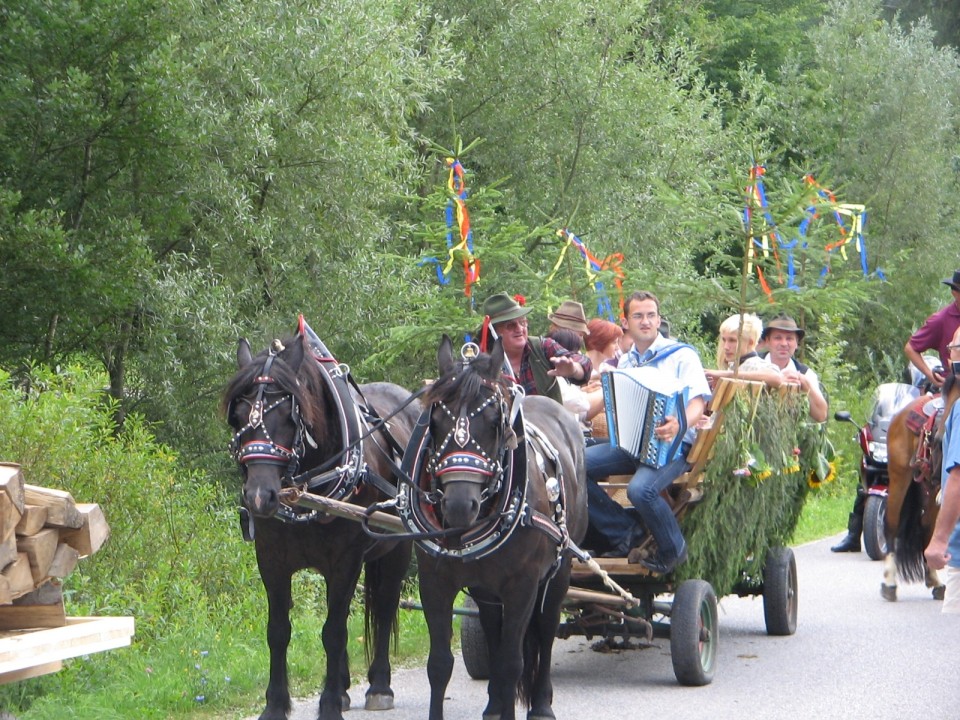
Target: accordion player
637,400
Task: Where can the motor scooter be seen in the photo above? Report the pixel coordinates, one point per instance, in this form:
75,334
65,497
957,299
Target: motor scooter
888,399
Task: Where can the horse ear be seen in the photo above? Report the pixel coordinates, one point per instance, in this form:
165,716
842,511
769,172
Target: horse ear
294,356
244,356
445,355
497,357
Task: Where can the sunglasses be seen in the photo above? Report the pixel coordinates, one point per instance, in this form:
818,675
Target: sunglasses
511,325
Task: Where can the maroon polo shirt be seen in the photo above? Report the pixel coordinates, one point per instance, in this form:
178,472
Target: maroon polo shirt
937,332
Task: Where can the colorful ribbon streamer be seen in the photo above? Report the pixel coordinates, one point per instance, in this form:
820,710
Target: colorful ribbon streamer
457,211
593,266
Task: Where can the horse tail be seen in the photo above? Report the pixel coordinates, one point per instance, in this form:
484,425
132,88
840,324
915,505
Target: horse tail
531,663
910,537
372,597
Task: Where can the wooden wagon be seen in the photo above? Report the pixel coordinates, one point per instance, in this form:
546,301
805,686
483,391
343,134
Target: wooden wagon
750,473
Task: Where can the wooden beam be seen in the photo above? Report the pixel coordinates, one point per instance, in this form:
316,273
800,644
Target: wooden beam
40,549
11,483
61,508
92,533
32,520
23,650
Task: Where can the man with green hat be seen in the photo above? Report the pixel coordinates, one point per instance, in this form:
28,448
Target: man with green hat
535,363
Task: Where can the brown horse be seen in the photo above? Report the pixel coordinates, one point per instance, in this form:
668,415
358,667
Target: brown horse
298,421
912,499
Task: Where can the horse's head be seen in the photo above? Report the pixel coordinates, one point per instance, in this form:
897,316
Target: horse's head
470,431
270,406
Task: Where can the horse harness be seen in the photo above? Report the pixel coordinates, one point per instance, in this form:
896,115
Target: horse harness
358,421
505,480
923,420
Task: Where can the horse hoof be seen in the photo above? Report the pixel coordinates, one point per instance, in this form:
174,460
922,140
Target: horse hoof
938,592
344,702
888,592
379,701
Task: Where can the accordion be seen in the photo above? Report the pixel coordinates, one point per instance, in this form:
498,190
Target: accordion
637,400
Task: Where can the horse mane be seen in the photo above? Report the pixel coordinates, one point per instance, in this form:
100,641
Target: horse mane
463,382
304,383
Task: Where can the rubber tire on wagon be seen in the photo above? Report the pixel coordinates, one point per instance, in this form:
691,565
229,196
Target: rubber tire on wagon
473,644
874,535
694,633
780,592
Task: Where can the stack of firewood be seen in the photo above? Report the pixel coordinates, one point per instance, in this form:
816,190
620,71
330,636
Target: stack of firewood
43,533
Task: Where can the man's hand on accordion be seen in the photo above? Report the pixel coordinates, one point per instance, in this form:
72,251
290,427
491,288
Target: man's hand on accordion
668,430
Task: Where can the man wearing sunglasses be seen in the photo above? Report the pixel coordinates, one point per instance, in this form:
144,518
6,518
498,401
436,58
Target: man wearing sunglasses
535,363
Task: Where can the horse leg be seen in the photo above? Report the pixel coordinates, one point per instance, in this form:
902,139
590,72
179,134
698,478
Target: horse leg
491,620
384,580
888,588
341,582
518,606
276,582
437,597
540,692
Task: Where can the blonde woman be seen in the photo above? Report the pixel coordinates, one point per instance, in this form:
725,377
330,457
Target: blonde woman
742,332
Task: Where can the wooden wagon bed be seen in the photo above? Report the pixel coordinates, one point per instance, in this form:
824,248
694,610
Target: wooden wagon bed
686,490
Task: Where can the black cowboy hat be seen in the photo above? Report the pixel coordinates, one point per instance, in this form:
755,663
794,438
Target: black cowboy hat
955,282
783,322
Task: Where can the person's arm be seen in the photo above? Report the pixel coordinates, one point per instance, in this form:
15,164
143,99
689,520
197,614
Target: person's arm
916,357
936,552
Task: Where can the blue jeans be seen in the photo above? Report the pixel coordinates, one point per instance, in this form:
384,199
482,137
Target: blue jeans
612,520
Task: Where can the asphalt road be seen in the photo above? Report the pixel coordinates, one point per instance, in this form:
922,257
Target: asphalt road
853,656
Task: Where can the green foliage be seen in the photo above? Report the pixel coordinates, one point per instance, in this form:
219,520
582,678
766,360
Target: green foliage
766,458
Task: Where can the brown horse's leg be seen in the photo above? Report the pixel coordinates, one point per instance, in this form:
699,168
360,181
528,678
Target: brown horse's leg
383,582
276,582
901,446
437,596
518,603
341,583
544,624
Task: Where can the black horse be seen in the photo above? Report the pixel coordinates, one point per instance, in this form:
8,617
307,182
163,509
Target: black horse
506,477
294,410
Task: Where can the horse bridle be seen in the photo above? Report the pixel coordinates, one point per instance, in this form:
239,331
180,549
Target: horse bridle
468,457
265,450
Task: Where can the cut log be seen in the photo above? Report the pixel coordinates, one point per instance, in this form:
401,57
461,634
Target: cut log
61,508
39,549
64,561
92,534
11,483
32,520
6,597
19,576
8,551
9,516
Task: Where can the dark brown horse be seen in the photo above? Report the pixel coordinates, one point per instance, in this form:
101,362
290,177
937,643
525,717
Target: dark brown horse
299,421
506,474
912,497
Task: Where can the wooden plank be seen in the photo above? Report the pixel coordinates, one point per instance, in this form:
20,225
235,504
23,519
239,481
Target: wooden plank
6,596
40,549
19,576
11,482
92,534
31,672
20,650
32,520
61,508
23,617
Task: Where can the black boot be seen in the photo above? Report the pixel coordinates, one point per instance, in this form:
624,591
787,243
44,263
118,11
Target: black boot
851,543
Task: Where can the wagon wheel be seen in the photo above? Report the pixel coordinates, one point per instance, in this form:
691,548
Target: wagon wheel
694,633
874,537
780,592
473,644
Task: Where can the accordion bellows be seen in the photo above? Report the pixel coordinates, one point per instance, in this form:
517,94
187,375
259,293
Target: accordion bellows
637,400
